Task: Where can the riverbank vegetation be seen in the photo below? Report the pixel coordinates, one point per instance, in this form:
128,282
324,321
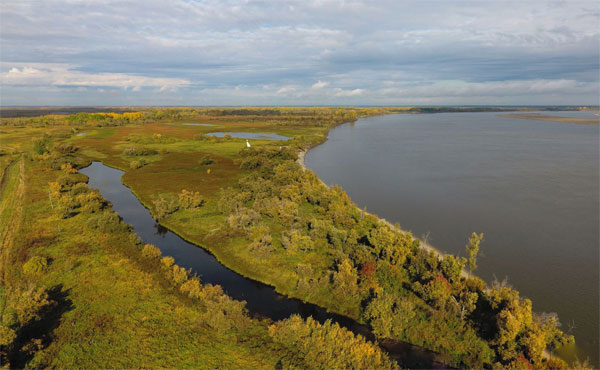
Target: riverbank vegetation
261,214
79,289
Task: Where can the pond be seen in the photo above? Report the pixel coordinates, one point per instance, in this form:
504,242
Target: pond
250,135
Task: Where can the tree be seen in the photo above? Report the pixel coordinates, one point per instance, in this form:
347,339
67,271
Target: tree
164,205
472,249
327,345
345,280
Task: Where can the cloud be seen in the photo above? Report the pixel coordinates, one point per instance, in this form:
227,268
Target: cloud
38,74
344,93
355,50
286,90
319,85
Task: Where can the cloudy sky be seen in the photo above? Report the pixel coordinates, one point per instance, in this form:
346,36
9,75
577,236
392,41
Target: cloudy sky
188,52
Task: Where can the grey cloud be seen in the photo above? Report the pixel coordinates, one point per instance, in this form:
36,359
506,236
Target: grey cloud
357,47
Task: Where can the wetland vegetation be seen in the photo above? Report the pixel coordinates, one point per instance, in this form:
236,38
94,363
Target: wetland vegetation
79,287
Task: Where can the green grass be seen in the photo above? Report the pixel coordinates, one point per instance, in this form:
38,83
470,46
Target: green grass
113,312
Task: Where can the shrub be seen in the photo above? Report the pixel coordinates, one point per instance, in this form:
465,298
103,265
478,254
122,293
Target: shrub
151,252
108,222
167,262
65,149
190,199
164,205
137,164
92,201
40,146
35,265
178,275
328,346
29,304
72,179
134,151
206,160
192,288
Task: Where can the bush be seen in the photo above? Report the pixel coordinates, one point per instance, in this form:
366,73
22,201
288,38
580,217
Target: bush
92,201
178,275
192,288
164,205
72,179
137,164
65,149
40,146
189,199
167,262
206,160
328,346
35,265
108,222
151,252
138,151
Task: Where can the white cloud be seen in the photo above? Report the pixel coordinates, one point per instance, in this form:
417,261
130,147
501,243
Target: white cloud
319,85
38,74
286,90
347,93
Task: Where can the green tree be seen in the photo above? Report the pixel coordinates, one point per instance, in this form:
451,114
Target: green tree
472,248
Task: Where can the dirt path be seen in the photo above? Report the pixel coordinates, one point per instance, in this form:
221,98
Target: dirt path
12,225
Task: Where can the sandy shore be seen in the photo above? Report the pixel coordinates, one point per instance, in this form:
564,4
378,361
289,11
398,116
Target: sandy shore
543,117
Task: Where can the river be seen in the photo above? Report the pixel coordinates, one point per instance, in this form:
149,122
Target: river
260,299
530,186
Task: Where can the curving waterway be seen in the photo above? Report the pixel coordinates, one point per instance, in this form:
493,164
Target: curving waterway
260,299
530,186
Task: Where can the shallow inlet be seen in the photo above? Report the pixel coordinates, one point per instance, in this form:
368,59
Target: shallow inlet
261,299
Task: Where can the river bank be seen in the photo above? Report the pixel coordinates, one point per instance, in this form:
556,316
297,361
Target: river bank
428,247
458,173
543,117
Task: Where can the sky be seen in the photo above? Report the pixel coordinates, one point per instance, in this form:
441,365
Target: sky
187,52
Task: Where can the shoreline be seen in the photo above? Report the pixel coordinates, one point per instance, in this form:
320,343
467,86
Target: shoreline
543,117
428,247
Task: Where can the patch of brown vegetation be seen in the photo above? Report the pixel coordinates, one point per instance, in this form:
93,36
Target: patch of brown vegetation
176,171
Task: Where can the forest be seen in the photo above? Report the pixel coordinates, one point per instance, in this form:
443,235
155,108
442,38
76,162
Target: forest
78,286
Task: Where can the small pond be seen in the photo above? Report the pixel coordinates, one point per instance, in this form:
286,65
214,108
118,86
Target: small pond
250,135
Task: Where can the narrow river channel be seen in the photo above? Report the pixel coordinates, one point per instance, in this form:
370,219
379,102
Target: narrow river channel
261,299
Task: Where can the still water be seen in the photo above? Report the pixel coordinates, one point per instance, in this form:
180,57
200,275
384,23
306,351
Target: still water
250,135
260,299
530,186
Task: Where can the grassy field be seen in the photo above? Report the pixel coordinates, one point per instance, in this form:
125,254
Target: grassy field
78,289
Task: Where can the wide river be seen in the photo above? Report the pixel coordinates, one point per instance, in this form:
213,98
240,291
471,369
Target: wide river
530,186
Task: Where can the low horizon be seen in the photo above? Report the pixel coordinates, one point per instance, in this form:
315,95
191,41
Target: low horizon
585,106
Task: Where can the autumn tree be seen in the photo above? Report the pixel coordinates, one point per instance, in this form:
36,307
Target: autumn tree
327,346
472,249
